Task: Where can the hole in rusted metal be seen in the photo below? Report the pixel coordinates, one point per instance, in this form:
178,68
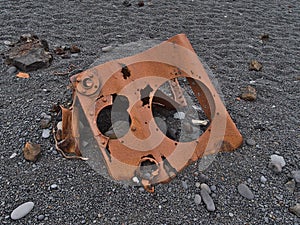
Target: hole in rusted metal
145,94
125,71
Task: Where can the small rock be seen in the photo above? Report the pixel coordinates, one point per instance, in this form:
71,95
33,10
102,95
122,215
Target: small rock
22,210
249,93
290,185
197,184
13,155
230,214
179,115
45,123
295,209
279,159
296,175
41,217
31,151
245,191
250,142
8,43
74,49
206,187
263,179
264,37
107,48
197,199
11,70
210,205
203,178
54,186
126,3
255,65
277,163
141,3
46,133
213,188
184,184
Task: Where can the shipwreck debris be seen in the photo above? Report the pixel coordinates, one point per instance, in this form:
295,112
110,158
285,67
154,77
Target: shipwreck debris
124,93
29,53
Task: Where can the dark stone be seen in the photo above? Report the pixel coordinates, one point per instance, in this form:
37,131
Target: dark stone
29,53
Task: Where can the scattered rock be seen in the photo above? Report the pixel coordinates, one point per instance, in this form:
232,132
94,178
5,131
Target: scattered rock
290,185
230,214
255,65
45,121
203,178
8,43
249,93
41,217
31,151
60,51
23,75
210,205
245,191
206,187
250,142
13,155
213,188
74,49
296,175
11,70
46,133
264,37
276,163
197,184
54,186
126,3
184,184
263,179
197,199
295,209
29,53
107,48
141,3
179,115
22,210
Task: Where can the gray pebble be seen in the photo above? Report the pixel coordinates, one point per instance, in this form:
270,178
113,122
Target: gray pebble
41,217
245,191
206,187
213,195
197,199
8,43
263,179
277,163
184,184
53,186
230,214
210,205
197,184
296,175
213,188
295,210
107,48
290,185
13,155
46,133
22,210
12,70
249,180
250,142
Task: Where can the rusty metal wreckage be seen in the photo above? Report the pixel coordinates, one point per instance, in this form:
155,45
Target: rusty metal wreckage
141,153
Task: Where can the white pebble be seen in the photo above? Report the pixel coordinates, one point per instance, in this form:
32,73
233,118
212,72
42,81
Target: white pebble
22,210
179,115
46,133
13,155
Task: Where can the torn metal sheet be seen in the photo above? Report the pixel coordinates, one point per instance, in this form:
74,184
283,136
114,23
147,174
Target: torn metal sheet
111,120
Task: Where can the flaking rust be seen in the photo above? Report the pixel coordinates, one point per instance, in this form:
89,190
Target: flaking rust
127,88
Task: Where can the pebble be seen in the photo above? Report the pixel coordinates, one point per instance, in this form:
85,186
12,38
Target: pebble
184,184
206,187
277,163
263,179
296,175
46,133
197,184
22,210
230,214
250,142
8,43
179,115
213,188
210,205
295,210
41,217
197,199
53,186
245,191
13,155
107,48
248,93
290,185
12,70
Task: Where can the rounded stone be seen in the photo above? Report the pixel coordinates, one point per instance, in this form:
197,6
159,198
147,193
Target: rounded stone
53,186
206,187
250,142
197,199
263,179
245,191
22,210
41,217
